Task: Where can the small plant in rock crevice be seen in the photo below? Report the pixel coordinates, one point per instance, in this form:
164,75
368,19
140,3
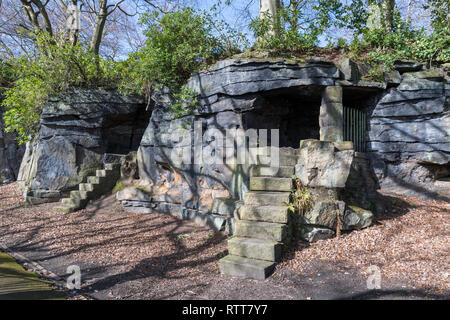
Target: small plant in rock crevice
300,198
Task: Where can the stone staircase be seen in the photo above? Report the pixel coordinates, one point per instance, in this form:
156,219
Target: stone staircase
263,229
96,186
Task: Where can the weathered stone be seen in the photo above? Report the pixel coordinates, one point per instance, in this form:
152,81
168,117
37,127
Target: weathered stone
356,218
76,130
225,206
434,74
394,95
280,171
255,248
320,166
261,230
410,108
270,184
349,69
325,214
250,76
421,130
392,77
413,84
262,198
344,145
215,222
133,194
278,214
313,234
407,65
246,268
331,115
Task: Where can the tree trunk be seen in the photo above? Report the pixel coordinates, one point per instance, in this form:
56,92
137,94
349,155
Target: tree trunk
388,15
408,13
99,27
270,7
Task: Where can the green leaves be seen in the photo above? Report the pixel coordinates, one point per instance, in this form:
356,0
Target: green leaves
178,44
58,67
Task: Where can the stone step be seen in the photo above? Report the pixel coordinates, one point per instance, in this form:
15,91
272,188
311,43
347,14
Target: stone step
283,151
112,166
71,202
283,160
266,198
261,230
102,173
255,248
277,214
77,194
86,187
65,209
95,179
245,267
265,171
270,184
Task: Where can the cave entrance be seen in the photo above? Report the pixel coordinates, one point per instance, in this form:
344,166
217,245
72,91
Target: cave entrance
295,112
123,133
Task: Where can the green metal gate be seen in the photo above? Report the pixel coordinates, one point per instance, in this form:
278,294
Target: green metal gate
355,128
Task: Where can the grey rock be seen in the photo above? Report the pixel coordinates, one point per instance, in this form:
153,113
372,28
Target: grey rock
320,166
434,74
422,130
349,69
325,214
313,234
356,218
133,194
410,108
77,129
226,206
413,84
392,77
245,76
407,65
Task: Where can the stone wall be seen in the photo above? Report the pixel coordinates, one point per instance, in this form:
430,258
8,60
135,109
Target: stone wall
76,130
409,132
233,94
10,154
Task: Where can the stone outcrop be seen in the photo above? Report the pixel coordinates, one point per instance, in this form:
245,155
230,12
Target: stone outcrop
409,132
10,154
233,94
76,131
324,168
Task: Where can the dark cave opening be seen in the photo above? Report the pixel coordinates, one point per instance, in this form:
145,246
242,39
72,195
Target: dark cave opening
294,112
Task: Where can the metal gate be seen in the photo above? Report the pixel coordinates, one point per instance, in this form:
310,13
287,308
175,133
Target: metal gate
355,128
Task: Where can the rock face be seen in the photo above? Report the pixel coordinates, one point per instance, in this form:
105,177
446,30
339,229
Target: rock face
409,133
10,155
76,130
406,135
237,94
327,169
320,165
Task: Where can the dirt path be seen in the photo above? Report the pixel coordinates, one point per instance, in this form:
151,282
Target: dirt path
140,256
